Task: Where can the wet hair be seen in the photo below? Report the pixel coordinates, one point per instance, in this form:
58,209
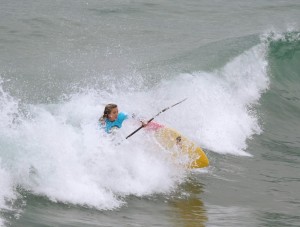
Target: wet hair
107,110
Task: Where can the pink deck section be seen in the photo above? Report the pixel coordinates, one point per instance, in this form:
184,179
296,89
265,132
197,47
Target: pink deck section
153,126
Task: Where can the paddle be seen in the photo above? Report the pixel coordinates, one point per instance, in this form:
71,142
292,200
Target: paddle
131,134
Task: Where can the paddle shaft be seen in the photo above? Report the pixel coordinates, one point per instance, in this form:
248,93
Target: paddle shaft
138,129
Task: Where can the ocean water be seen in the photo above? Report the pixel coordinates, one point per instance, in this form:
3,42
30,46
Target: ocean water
237,62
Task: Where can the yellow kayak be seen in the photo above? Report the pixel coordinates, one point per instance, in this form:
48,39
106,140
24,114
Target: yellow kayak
171,139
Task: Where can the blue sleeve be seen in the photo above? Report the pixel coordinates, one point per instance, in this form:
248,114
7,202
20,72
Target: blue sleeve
122,116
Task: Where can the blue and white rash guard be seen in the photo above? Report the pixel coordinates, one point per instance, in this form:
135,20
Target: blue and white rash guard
107,125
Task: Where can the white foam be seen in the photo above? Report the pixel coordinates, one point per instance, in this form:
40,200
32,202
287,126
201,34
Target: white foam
218,113
273,34
6,187
8,108
6,190
59,151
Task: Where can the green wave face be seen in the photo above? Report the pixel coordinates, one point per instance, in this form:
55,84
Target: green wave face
284,63
281,104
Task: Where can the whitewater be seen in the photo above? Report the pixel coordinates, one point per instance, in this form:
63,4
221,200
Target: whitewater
236,63
57,150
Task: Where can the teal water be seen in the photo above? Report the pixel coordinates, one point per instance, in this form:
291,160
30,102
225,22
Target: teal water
236,62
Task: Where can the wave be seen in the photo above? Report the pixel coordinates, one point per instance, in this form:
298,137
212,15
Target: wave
281,104
219,114
56,150
284,56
